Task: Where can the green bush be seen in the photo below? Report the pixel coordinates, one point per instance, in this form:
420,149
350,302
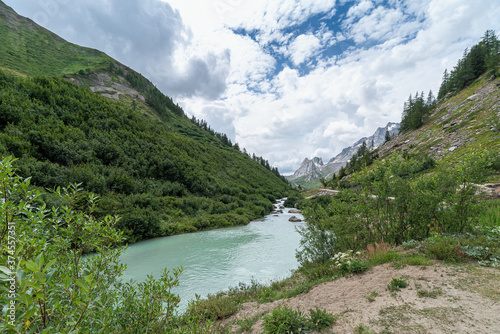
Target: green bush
444,248
318,243
319,320
214,307
396,284
284,320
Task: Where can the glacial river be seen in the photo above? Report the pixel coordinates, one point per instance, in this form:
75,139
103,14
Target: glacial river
263,250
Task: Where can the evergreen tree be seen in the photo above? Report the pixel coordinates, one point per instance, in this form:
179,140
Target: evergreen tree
387,136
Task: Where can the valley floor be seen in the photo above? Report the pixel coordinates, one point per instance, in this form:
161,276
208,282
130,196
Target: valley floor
441,298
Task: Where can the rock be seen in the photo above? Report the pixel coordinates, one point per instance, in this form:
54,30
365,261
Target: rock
294,219
492,190
293,211
453,148
324,192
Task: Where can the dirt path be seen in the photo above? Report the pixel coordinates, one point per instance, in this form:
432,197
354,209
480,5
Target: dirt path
439,299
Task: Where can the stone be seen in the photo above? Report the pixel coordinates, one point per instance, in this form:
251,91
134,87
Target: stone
492,190
294,219
293,211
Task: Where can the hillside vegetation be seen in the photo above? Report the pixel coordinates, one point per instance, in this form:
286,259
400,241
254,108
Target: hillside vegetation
30,49
162,172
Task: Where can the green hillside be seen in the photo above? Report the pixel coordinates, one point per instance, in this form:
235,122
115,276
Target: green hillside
30,49
160,171
434,187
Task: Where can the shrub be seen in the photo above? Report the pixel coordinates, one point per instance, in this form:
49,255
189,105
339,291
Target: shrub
396,284
316,245
214,307
284,320
319,320
444,248
349,263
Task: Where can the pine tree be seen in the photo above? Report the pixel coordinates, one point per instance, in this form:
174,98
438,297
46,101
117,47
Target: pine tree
387,136
443,89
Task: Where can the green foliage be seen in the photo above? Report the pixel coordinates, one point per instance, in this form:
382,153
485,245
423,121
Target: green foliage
415,110
294,200
489,216
33,50
482,57
398,204
152,176
214,307
320,320
363,329
54,288
349,263
317,244
444,248
371,297
396,284
431,294
284,320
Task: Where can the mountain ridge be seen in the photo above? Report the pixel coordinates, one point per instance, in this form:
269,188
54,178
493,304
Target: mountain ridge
312,170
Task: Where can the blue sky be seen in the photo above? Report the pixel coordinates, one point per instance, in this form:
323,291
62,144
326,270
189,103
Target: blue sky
286,79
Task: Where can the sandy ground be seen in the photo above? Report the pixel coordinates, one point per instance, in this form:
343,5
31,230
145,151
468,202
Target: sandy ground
439,299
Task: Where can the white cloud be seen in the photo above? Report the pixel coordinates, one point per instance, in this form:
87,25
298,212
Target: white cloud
303,48
358,10
379,25
231,80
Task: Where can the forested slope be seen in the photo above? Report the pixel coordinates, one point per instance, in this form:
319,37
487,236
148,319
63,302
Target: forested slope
162,172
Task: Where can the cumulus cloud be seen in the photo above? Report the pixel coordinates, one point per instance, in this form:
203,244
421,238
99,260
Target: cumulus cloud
303,48
239,64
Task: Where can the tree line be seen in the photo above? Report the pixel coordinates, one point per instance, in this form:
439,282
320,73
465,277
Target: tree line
482,57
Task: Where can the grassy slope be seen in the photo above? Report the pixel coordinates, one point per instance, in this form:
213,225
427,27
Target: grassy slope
152,143
33,50
459,123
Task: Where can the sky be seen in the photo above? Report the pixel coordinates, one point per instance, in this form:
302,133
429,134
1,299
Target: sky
285,79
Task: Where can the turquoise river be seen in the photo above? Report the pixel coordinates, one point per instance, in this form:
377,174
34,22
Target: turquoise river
263,250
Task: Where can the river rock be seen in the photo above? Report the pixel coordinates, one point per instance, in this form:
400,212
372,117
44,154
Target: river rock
293,211
294,219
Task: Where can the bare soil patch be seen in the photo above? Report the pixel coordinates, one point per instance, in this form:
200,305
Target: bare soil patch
440,298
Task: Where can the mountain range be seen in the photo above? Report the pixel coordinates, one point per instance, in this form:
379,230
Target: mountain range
311,170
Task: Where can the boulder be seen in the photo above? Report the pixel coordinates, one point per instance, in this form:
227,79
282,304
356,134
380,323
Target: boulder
492,190
293,211
294,219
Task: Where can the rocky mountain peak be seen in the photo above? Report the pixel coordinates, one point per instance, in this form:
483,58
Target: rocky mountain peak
316,169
